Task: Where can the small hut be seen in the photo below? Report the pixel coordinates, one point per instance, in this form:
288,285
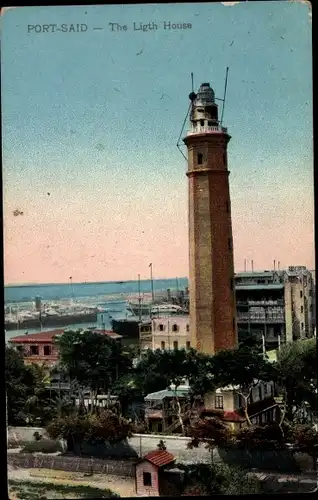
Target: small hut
150,477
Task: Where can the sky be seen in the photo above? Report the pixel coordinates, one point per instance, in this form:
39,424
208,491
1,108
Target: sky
90,122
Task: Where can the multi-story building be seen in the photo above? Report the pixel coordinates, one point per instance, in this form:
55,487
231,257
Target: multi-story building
277,305
41,348
169,332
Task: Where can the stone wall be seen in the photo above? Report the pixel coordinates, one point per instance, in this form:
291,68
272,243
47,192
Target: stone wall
72,464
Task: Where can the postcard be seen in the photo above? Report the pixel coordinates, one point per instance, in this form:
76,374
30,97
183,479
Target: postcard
158,191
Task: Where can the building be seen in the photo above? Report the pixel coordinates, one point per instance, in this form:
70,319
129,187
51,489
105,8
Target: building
276,305
150,478
41,348
161,409
226,404
168,332
211,277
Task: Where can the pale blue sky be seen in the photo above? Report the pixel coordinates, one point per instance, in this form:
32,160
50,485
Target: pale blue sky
84,120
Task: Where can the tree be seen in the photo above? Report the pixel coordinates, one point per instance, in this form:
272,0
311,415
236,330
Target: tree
20,385
295,374
240,369
103,427
148,374
211,432
93,360
160,370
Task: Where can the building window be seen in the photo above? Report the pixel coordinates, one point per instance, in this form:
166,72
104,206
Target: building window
301,309
260,393
301,294
233,323
163,345
188,345
175,328
230,244
210,123
202,123
47,350
147,479
161,328
20,348
200,158
34,350
175,344
219,402
302,326
188,328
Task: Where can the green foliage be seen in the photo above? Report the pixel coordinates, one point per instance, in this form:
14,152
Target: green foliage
105,426
208,479
43,446
267,437
20,384
29,490
94,360
240,367
295,374
304,437
211,432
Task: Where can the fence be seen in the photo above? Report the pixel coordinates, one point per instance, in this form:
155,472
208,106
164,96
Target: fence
73,464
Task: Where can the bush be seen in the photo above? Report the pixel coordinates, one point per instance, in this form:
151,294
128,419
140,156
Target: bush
105,426
267,437
208,479
42,446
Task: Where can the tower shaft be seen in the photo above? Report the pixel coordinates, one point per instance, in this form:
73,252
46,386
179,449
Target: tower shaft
211,284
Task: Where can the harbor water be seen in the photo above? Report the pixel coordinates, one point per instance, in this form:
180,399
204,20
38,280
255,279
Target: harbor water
111,296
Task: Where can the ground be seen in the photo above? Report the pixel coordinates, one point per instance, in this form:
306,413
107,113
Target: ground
30,483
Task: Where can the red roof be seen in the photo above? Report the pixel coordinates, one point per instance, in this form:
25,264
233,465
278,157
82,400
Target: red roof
36,337
159,457
227,416
48,336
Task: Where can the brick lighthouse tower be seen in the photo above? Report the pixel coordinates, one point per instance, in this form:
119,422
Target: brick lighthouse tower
211,287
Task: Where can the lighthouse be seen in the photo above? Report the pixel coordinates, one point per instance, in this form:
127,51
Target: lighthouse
211,278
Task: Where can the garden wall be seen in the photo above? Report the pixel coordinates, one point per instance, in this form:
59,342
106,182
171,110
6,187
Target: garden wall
72,464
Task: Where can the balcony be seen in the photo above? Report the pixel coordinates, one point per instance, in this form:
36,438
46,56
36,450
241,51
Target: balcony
263,303
260,318
153,413
207,130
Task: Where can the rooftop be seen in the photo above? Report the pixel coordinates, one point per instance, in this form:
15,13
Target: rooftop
159,457
260,286
43,337
168,393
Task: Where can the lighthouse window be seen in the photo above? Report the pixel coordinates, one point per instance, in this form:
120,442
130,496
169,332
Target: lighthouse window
200,158
230,244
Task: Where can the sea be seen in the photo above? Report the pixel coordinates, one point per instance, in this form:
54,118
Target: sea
111,295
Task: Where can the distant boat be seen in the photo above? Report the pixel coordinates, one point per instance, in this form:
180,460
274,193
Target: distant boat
148,309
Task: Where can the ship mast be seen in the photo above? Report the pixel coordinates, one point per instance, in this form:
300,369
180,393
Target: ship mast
139,298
